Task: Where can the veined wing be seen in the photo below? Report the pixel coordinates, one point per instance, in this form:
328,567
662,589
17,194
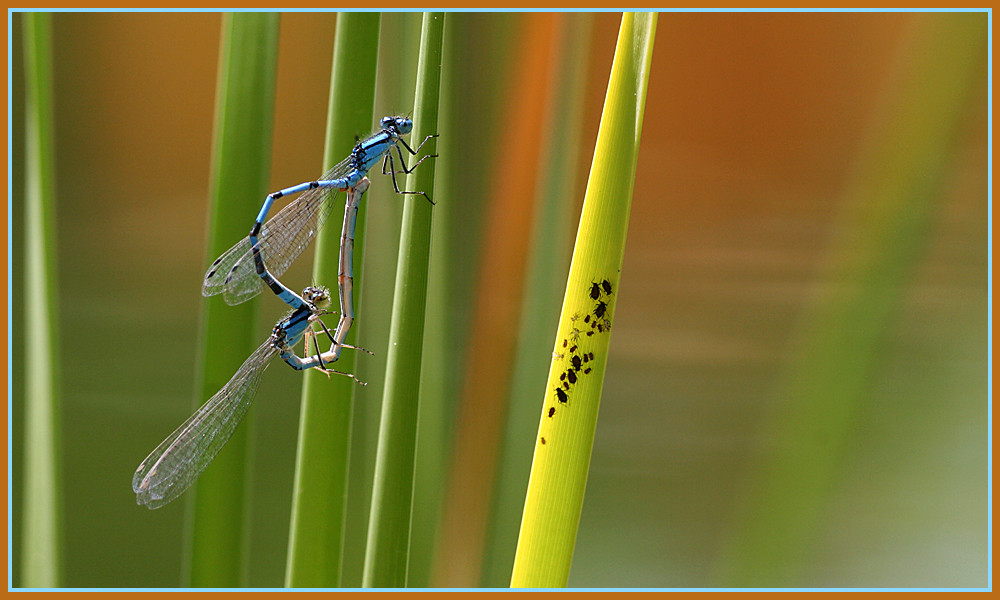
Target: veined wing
282,239
175,464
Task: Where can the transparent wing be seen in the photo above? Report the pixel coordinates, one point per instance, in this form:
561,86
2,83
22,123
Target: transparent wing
215,277
282,239
174,465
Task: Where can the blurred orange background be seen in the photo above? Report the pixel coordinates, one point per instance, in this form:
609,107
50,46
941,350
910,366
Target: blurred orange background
754,135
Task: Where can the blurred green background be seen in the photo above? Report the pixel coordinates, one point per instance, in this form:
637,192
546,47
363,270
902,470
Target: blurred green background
754,253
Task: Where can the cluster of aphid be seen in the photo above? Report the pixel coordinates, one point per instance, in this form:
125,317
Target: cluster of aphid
593,322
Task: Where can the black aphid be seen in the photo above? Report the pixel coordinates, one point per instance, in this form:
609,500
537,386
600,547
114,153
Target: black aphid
561,396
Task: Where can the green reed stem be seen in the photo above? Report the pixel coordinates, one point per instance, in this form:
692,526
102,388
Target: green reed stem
316,536
241,163
549,257
559,469
392,497
41,551
468,95
395,79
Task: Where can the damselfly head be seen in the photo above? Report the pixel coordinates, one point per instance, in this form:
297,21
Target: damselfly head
402,125
318,296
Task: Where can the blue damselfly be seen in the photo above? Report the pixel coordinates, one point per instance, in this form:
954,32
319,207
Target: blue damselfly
175,464
284,237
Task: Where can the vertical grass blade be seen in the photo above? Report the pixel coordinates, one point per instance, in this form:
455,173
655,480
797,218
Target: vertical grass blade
241,160
469,94
399,36
889,203
392,496
316,536
42,531
549,256
482,408
399,40
569,417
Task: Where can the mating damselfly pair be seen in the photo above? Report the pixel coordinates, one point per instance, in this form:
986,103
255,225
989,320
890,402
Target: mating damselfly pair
243,271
